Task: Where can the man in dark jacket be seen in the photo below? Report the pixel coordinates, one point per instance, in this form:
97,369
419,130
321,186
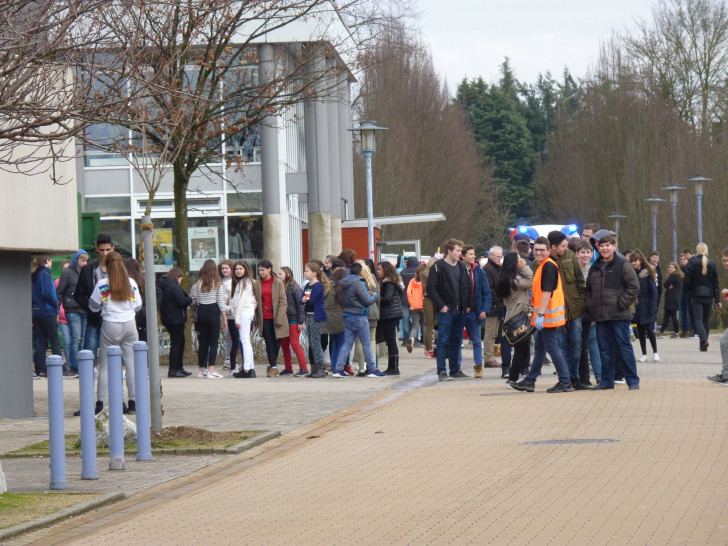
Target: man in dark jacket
492,322
355,303
611,288
449,288
87,279
408,273
482,297
45,314
75,314
572,281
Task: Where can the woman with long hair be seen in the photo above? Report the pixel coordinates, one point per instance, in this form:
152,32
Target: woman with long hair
210,295
244,303
673,294
368,276
134,269
313,305
334,325
232,340
117,297
45,314
173,302
701,280
391,289
512,288
272,319
645,313
296,322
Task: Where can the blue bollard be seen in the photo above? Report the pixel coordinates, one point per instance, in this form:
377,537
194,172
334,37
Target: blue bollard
56,429
88,417
141,385
116,415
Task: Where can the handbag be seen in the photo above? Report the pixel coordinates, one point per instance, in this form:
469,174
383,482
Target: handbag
193,305
518,328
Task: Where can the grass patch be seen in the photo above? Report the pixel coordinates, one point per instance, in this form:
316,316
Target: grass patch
168,438
16,508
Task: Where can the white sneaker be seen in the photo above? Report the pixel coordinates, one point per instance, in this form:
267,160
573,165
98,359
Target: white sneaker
643,358
202,374
226,364
213,375
236,370
655,357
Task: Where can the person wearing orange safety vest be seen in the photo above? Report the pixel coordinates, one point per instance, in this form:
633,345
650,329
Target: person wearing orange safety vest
549,318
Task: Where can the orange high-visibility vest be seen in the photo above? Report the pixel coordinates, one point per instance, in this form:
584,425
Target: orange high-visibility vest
555,314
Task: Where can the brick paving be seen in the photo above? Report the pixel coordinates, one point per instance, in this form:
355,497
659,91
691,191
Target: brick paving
380,461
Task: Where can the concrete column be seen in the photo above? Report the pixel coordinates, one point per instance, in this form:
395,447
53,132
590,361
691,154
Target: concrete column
16,337
273,178
317,171
346,151
332,107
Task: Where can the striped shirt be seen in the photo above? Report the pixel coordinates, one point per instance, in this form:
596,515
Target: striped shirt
218,296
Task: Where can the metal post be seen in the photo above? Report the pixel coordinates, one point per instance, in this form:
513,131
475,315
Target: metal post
152,326
673,203
88,418
370,203
144,444
116,416
56,430
654,228
700,214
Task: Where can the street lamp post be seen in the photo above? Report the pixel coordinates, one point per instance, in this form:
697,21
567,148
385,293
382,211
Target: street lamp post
616,217
654,201
367,132
699,194
673,203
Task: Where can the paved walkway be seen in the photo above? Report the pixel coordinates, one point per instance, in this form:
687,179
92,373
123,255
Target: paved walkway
462,462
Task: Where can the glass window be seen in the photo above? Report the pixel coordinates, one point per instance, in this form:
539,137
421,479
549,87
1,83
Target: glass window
120,231
109,206
104,134
250,202
245,239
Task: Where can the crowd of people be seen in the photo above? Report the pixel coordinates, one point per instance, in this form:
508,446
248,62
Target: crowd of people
577,300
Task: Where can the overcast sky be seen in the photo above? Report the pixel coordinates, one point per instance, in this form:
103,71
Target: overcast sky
470,38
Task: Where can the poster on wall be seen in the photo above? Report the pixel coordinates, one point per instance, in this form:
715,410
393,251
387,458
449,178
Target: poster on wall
162,246
203,245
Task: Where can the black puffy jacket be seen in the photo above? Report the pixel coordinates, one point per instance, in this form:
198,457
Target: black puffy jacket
173,301
611,289
390,301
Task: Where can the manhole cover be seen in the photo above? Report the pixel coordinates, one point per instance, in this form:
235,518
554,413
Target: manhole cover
572,441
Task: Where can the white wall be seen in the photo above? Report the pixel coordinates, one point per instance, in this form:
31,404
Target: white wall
37,215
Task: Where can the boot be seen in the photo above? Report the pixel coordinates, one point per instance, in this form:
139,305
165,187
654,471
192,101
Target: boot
317,371
393,366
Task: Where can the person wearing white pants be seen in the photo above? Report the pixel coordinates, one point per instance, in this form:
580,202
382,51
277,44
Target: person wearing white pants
244,304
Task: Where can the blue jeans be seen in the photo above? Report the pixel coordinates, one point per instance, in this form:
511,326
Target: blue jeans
336,342
66,339
472,323
406,323
687,322
549,340
91,338
613,336
77,326
449,338
571,346
355,327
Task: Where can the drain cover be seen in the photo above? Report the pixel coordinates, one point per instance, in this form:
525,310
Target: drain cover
572,441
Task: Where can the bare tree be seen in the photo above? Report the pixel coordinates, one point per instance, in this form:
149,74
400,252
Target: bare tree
45,46
427,161
199,70
683,56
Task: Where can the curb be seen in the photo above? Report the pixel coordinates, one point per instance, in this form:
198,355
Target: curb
253,442
45,521
237,448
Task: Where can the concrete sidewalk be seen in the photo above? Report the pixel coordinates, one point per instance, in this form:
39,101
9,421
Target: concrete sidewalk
461,462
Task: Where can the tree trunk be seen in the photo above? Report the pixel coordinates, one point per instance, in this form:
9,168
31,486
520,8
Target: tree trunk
181,181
